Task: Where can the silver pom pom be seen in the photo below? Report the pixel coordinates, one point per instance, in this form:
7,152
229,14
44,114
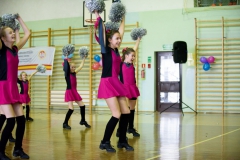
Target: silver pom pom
112,26
68,49
41,68
93,5
83,52
138,32
117,12
9,20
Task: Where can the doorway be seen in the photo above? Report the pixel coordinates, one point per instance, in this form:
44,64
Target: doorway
169,82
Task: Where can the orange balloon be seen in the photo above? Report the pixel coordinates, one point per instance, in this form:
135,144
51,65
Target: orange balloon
95,66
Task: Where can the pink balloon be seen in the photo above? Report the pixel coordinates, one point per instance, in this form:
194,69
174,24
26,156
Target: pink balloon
211,59
95,66
100,62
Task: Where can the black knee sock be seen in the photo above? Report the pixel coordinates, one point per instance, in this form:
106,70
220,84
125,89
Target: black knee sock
68,115
110,128
2,120
82,111
131,119
19,132
6,133
123,127
27,111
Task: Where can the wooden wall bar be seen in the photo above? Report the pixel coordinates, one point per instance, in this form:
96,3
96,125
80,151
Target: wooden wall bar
218,89
48,91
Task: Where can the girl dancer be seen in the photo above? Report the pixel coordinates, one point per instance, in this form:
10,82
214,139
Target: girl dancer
24,96
110,88
9,96
127,77
71,93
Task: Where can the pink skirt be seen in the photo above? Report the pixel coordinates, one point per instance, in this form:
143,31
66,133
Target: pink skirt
133,91
111,87
72,95
25,98
9,93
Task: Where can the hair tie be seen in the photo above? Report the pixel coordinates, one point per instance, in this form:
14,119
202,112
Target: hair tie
124,49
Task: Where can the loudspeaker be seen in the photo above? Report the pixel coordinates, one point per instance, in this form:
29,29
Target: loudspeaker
180,52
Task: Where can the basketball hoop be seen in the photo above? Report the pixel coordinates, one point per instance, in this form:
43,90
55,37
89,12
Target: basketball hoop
91,23
90,20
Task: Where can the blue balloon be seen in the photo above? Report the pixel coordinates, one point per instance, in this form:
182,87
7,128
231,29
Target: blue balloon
206,66
97,58
69,56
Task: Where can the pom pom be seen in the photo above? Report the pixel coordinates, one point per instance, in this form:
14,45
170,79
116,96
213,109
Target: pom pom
93,5
41,68
138,32
9,20
117,12
83,52
111,26
68,49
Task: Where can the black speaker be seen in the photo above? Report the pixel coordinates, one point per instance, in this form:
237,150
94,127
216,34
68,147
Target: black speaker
180,52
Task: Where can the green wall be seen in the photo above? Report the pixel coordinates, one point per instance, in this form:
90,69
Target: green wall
164,27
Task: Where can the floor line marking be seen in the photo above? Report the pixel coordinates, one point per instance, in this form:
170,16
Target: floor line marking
199,142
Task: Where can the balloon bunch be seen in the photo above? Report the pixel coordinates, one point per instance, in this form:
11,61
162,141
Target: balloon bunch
98,62
206,62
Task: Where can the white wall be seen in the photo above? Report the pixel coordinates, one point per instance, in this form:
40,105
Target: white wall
33,10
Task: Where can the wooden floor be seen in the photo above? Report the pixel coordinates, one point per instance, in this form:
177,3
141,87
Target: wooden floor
167,136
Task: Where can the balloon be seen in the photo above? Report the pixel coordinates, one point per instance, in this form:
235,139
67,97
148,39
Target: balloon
100,62
206,66
69,56
95,66
97,58
211,59
203,60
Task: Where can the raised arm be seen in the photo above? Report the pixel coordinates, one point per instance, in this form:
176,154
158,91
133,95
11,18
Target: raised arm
66,68
101,32
17,35
137,44
29,78
81,65
26,31
122,28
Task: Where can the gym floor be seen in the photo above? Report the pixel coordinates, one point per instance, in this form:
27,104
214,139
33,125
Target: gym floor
168,136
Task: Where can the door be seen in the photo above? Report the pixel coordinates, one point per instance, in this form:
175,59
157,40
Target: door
168,82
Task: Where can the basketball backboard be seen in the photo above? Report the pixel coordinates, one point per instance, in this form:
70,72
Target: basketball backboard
89,19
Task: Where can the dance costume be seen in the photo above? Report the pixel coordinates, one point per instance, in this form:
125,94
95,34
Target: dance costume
127,77
24,96
71,93
8,75
111,86
9,94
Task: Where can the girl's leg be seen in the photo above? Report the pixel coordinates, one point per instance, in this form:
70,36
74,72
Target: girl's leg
2,120
82,112
131,129
20,118
28,118
68,115
114,107
8,111
123,123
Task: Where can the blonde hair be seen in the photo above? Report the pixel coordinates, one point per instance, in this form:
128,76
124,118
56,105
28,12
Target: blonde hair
20,76
2,31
